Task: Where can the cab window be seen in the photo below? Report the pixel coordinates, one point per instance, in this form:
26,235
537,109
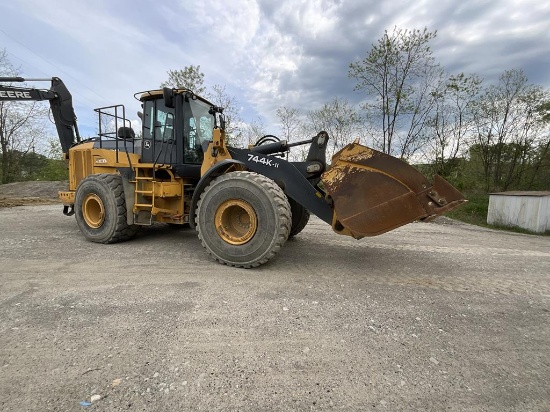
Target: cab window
158,123
198,125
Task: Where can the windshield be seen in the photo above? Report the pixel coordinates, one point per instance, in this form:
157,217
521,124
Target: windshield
201,122
198,125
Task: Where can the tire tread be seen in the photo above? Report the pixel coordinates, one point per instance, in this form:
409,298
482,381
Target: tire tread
113,184
280,201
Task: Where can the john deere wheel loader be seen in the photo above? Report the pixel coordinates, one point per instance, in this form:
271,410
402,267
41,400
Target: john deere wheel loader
244,203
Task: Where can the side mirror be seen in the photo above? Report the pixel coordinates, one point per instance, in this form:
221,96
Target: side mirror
168,95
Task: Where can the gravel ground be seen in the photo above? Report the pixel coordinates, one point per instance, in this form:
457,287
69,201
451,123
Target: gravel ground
427,317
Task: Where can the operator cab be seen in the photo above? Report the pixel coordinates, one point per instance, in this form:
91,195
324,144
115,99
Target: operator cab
175,129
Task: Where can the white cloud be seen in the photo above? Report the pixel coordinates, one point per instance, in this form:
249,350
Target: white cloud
267,54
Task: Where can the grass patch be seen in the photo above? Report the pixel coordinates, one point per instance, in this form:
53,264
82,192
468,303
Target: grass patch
517,230
473,212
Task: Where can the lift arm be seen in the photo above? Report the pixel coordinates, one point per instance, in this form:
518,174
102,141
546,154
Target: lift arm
61,104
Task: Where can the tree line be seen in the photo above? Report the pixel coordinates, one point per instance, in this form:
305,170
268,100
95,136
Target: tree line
480,136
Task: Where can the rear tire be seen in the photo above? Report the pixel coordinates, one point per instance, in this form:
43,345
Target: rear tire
100,209
243,219
300,217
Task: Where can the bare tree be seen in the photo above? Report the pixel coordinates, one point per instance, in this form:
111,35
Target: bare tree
340,120
452,121
291,123
22,125
399,75
509,126
293,127
233,121
253,131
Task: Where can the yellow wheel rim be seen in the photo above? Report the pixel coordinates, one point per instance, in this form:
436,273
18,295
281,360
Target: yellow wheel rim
236,222
93,211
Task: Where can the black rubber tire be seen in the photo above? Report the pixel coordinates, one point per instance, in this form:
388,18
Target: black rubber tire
270,206
300,217
108,193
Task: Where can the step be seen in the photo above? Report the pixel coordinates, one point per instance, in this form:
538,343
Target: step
143,218
171,211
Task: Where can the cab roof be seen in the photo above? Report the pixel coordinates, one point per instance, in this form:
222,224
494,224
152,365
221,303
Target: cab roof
155,94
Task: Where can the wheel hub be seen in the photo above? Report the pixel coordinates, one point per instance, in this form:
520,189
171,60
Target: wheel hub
236,221
93,211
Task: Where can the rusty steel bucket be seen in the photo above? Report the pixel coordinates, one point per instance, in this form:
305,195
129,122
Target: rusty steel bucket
373,192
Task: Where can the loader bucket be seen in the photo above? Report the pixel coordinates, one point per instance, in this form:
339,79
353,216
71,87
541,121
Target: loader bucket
373,192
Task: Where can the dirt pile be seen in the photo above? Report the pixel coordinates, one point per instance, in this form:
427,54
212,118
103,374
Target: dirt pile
31,193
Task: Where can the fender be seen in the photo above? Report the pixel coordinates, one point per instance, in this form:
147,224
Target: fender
286,175
215,171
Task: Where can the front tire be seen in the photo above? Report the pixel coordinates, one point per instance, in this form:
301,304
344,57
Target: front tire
243,219
100,209
300,217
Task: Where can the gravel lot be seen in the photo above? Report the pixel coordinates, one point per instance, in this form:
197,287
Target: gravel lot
428,317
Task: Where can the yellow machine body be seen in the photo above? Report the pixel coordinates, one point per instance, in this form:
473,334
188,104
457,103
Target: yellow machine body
161,198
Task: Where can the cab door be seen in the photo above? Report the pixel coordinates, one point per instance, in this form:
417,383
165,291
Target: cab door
160,143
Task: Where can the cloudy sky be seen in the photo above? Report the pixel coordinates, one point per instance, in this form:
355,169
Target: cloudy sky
267,53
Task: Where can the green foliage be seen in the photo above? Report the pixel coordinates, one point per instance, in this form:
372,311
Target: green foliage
543,110
54,170
519,167
509,124
492,137
33,166
22,125
473,212
190,77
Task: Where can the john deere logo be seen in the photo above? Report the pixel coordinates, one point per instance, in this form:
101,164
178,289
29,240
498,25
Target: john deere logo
10,94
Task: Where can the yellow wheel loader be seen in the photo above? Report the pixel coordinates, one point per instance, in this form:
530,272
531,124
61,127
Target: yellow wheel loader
243,203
